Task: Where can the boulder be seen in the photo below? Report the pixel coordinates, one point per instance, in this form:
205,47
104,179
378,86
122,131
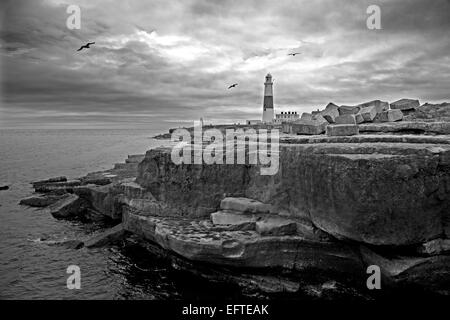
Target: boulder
318,117
41,201
368,113
390,116
245,205
106,237
342,130
309,127
102,199
405,104
246,222
331,112
331,105
4,188
66,186
70,206
306,116
359,118
435,247
346,119
435,112
100,181
379,105
132,190
348,110
126,166
276,226
135,158
51,180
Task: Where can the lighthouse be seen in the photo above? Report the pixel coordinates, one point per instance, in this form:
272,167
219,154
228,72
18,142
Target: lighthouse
268,99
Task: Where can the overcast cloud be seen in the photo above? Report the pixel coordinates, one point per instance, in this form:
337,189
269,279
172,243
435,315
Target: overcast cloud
162,61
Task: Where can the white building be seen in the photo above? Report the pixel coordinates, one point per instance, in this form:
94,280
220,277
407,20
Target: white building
288,116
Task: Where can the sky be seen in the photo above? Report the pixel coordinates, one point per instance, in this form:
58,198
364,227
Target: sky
161,62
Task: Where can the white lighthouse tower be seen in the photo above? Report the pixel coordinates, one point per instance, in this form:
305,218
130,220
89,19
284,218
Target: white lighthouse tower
268,99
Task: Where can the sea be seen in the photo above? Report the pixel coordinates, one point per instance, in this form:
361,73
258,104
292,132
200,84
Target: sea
33,267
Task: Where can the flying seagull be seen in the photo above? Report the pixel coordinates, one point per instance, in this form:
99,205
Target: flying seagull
293,54
86,46
233,85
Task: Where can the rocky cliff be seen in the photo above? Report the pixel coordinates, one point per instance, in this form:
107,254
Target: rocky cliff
380,194
336,205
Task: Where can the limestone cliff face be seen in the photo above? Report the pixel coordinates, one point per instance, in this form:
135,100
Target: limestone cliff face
194,190
377,193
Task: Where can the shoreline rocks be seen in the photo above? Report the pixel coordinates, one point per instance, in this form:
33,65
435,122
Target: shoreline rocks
41,201
197,241
69,207
108,236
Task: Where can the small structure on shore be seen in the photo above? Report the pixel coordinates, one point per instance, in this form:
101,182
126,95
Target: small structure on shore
288,116
253,122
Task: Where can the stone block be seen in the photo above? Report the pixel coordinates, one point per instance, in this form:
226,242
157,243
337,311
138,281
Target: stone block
245,205
331,112
379,105
309,127
348,110
369,113
342,130
232,218
41,201
306,116
405,104
346,119
109,236
68,207
359,118
390,116
276,226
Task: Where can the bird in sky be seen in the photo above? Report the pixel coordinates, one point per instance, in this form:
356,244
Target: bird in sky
233,85
86,46
293,54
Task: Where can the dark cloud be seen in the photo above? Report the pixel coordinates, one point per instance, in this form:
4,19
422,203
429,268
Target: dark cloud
168,61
